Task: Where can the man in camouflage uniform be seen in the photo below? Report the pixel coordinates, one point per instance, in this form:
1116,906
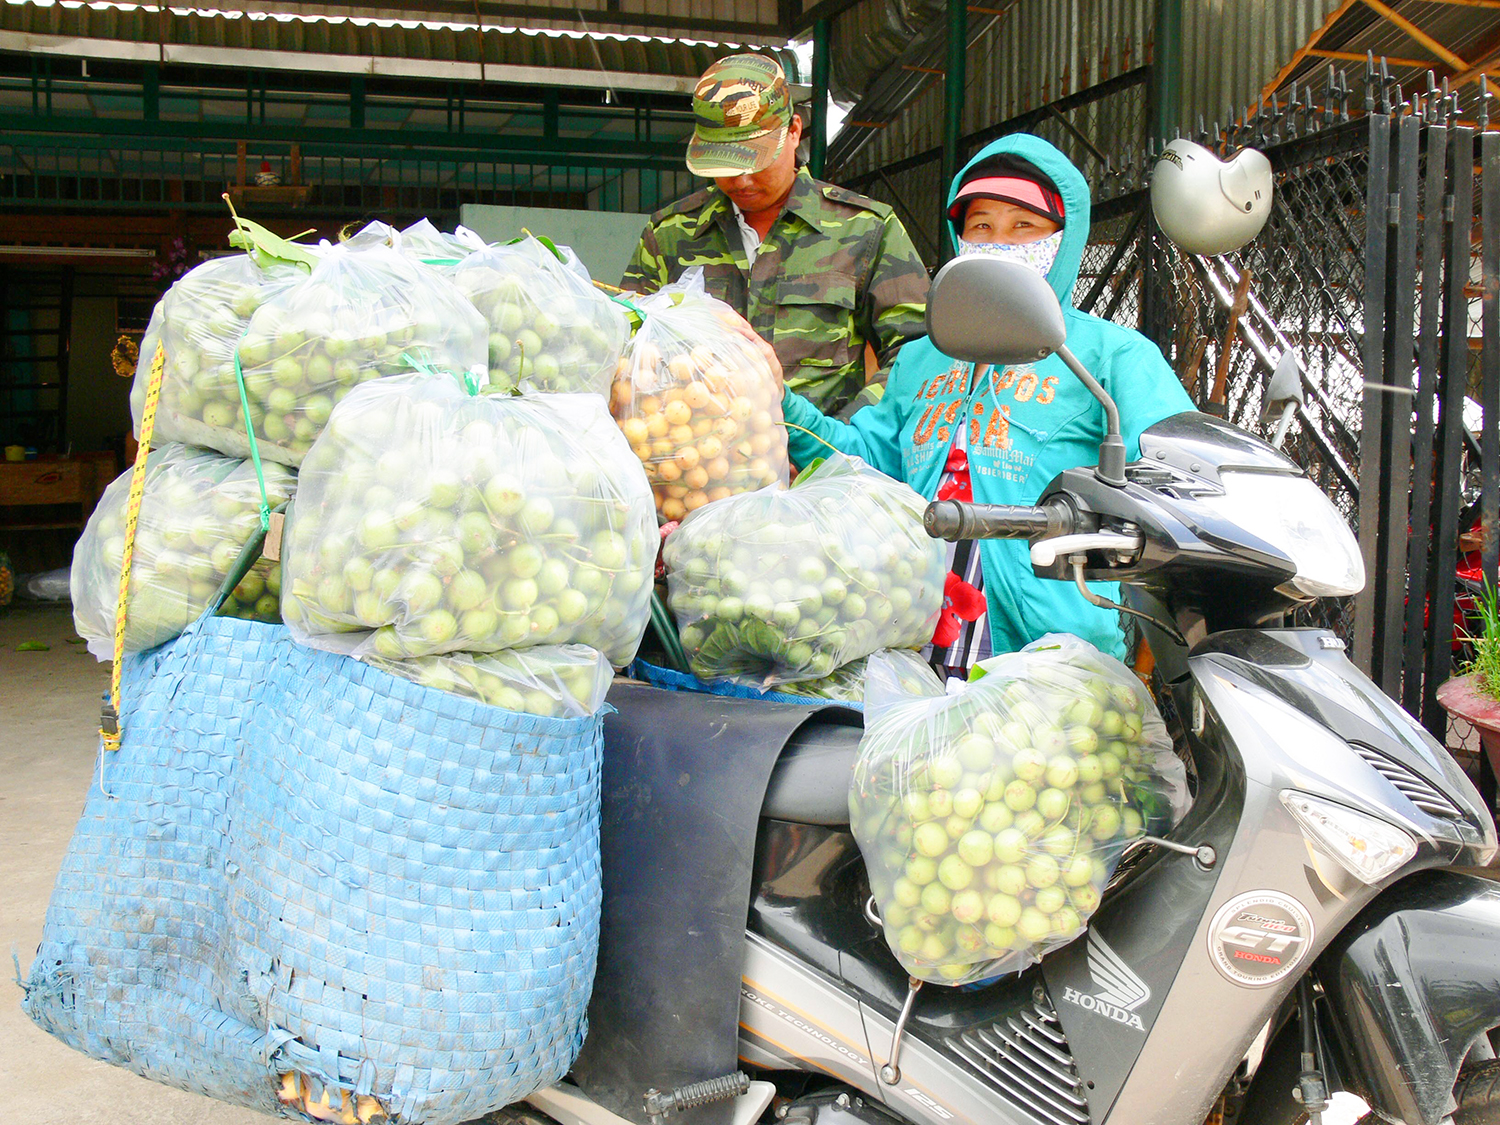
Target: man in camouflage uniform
817,270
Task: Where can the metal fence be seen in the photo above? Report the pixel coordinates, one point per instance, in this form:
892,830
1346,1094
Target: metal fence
1379,273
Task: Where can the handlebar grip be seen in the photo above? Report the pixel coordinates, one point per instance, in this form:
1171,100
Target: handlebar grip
954,520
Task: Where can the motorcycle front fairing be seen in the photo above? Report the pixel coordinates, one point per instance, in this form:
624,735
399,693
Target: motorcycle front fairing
1305,719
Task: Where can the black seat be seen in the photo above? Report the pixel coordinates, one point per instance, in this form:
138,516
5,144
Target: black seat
810,781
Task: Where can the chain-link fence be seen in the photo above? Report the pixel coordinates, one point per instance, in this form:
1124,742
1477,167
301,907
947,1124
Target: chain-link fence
1302,289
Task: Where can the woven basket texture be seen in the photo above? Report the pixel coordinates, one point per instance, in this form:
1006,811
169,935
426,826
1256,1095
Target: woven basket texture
309,864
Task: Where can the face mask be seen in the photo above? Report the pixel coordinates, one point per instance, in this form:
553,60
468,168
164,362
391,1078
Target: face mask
1038,255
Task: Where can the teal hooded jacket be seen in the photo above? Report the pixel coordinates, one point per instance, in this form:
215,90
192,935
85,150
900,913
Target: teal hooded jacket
1026,425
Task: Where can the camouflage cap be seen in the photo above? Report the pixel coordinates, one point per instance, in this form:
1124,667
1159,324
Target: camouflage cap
743,109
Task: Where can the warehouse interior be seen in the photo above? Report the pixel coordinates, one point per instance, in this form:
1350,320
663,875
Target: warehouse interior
124,126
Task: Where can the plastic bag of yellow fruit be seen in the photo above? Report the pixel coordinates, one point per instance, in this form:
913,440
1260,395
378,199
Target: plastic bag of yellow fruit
698,402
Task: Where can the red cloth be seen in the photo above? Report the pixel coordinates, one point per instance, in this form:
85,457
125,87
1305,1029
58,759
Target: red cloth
960,601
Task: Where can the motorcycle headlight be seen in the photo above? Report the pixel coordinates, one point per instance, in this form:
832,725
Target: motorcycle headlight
1294,516
1371,849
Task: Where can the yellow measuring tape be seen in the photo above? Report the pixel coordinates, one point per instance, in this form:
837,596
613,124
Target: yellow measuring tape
109,728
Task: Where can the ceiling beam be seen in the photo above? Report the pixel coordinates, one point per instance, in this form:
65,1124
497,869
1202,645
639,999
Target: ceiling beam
1360,56
390,66
1390,15
1303,51
490,12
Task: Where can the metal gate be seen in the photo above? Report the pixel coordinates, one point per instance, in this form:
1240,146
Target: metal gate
1379,271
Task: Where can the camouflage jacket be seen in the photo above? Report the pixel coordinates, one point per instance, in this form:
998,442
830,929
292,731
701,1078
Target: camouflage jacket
835,271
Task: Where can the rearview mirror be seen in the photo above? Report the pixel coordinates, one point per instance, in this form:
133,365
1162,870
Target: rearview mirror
985,309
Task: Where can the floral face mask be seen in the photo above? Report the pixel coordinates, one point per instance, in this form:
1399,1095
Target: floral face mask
1039,255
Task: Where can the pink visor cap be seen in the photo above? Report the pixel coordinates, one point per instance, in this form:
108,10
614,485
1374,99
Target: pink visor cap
1010,189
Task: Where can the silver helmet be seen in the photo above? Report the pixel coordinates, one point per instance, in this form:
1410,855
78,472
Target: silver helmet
1207,205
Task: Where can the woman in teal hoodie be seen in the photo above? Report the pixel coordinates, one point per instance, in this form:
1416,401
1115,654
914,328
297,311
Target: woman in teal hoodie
999,435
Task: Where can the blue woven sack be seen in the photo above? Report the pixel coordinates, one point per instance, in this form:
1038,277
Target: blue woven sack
302,863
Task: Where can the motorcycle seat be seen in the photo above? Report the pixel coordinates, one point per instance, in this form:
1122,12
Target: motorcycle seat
810,781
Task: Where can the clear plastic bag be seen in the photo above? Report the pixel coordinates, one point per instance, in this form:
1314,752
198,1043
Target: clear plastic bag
992,820
433,520
436,249
150,341
697,401
257,596
550,329
554,681
781,585
365,312
198,510
202,318
849,684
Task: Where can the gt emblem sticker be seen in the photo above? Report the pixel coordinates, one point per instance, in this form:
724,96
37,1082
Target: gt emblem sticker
1258,938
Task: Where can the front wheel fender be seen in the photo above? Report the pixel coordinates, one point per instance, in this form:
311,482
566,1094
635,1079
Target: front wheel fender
1412,983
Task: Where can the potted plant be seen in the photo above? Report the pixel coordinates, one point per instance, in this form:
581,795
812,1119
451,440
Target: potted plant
1475,695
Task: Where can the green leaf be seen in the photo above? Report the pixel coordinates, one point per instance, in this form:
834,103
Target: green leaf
808,470
267,248
33,646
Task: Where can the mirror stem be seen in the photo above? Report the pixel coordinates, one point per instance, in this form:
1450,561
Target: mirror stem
1111,468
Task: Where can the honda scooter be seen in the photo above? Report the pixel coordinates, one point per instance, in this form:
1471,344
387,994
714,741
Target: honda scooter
1320,920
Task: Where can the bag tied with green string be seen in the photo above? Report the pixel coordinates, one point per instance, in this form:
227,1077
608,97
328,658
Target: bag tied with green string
781,585
433,519
550,329
199,322
198,511
354,318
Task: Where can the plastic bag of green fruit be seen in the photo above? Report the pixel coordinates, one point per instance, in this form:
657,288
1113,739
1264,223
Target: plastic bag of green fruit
781,585
991,821
257,596
550,329
431,519
199,322
197,512
553,681
849,683
150,341
366,311
444,252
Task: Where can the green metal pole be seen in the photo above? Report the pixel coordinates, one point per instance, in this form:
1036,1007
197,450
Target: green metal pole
818,147
953,105
1166,71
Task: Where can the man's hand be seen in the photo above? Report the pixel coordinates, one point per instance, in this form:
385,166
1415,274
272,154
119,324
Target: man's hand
738,324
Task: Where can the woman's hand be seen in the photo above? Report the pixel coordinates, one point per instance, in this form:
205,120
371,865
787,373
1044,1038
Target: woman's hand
739,325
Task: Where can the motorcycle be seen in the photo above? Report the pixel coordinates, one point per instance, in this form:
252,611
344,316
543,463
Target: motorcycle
1320,920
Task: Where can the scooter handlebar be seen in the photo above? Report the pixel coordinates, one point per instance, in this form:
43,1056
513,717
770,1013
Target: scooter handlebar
954,520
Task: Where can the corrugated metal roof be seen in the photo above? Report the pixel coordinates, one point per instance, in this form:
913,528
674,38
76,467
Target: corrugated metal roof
1470,33
1232,48
756,21
361,46
1036,52
1040,51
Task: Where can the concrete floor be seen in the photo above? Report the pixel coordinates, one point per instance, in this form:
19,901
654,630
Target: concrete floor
49,716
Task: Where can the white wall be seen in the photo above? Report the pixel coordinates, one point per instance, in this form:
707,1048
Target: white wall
604,240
